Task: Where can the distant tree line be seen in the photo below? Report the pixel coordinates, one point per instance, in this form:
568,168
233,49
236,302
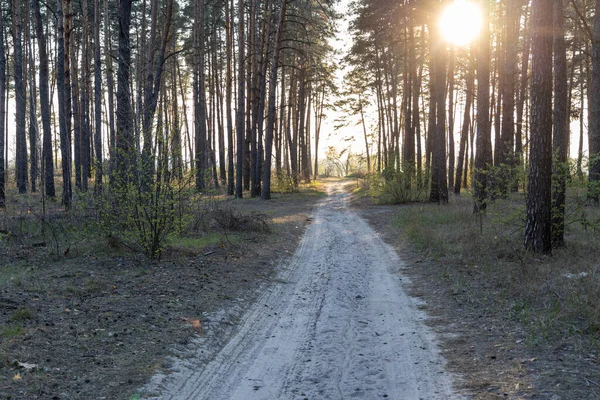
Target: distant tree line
120,92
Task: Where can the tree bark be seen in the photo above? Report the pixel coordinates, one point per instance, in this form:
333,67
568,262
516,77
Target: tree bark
266,188
439,177
20,99
464,134
97,100
2,110
451,152
483,154
239,127
63,105
538,224
594,107
125,172
44,90
228,94
560,127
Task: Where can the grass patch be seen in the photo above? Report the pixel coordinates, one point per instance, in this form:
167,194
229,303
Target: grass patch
12,272
11,332
391,188
22,314
554,297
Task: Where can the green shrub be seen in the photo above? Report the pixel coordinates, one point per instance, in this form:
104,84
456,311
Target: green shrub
396,187
144,218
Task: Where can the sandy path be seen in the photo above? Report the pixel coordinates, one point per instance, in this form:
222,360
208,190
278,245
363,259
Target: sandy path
337,324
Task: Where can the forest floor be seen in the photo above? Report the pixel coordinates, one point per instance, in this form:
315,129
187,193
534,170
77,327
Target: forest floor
501,344
100,321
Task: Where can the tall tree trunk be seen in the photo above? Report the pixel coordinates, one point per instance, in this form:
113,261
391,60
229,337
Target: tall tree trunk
451,152
86,134
594,108
78,148
582,74
364,129
408,154
217,85
47,165
20,99
507,136
2,110
176,145
200,97
239,126
124,173
464,134
416,118
33,125
521,99
439,177
483,154
68,15
63,105
97,100
155,67
560,122
228,94
112,141
538,226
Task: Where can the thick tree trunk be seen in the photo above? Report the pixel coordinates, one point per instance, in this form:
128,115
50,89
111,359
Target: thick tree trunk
439,177
125,172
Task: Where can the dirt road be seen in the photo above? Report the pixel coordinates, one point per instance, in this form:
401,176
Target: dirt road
336,324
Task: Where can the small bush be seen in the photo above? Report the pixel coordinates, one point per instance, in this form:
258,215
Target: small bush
144,218
224,217
396,187
22,314
282,183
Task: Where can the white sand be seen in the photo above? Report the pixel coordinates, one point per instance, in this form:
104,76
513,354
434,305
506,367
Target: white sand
336,324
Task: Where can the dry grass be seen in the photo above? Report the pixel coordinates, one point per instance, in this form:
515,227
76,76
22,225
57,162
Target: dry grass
555,298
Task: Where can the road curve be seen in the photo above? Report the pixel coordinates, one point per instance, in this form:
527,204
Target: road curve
336,324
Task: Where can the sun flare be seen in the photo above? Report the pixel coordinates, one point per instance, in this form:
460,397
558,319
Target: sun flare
460,22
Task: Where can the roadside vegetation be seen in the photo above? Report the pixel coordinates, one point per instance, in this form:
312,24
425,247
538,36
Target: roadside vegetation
77,297
555,297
